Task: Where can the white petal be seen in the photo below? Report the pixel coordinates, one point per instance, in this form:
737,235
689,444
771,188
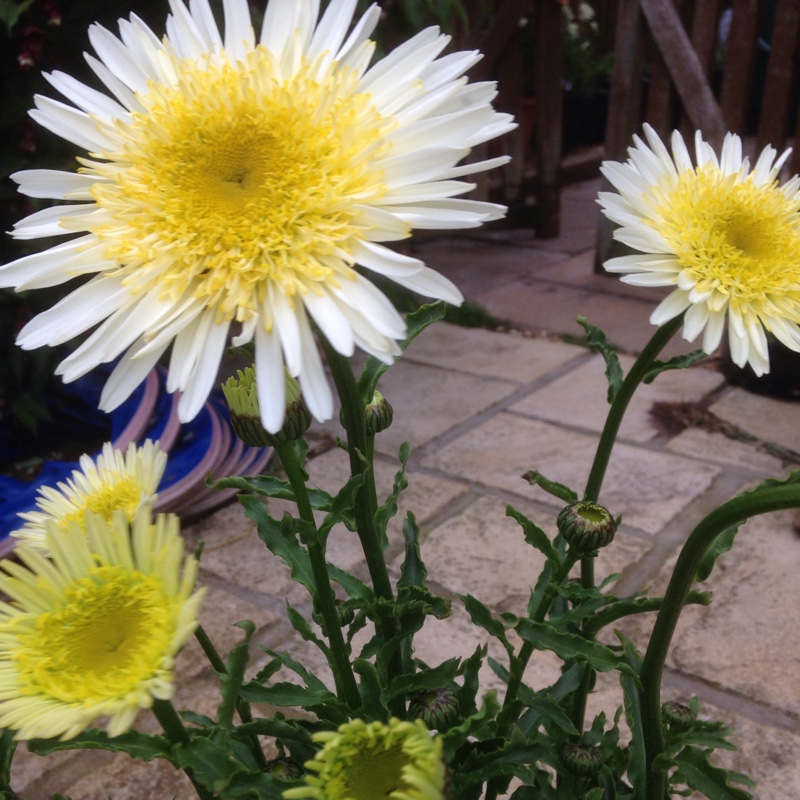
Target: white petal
694,321
406,51
270,383
206,24
55,184
713,332
48,266
426,165
313,382
331,321
70,123
285,312
85,98
118,59
670,307
332,28
74,314
126,376
239,36
204,374
365,298
432,284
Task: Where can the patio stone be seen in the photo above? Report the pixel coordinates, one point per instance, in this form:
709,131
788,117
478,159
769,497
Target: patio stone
579,398
647,487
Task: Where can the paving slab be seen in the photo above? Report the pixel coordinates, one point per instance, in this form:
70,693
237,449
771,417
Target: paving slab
647,487
579,398
509,357
768,418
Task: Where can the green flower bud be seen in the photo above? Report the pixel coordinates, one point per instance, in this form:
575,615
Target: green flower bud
582,759
677,715
378,414
242,395
439,708
285,769
586,526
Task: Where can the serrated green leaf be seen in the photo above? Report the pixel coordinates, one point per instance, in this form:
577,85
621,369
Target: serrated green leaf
272,486
597,341
302,626
535,536
470,670
454,737
371,691
722,544
141,746
308,677
704,777
568,646
432,678
412,570
211,762
483,618
8,746
341,506
277,728
632,703
416,322
288,695
388,509
356,589
559,490
231,681
676,362
281,541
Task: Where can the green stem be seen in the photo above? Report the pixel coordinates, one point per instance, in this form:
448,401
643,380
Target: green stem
516,671
608,437
172,726
242,706
732,513
617,411
360,450
324,599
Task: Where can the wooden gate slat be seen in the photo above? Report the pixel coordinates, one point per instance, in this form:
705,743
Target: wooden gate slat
774,122
684,67
739,61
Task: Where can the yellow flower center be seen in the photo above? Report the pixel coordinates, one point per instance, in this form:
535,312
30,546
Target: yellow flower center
120,492
106,639
233,177
735,237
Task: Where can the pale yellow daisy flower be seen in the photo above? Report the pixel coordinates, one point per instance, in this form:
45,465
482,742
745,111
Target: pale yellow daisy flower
236,183
726,235
366,760
117,481
93,630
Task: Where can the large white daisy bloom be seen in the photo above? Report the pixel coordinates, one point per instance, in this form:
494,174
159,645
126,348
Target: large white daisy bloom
236,179
726,235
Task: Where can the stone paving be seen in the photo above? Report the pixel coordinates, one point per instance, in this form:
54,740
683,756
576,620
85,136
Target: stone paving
479,408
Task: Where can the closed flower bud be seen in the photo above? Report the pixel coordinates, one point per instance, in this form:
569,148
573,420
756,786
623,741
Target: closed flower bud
677,714
242,396
285,769
582,759
378,414
586,526
439,708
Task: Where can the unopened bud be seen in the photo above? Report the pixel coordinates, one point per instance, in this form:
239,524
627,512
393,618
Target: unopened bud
586,526
242,395
285,769
677,714
582,759
439,708
378,414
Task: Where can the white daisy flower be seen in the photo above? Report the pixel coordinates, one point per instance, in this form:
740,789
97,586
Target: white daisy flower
116,482
726,235
236,179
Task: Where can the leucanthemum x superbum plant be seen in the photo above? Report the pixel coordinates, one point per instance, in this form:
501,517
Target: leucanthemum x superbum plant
246,184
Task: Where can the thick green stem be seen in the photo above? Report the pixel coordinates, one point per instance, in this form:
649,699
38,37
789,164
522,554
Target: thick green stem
360,449
325,599
242,706
617,411
608,437
733,512
172,726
